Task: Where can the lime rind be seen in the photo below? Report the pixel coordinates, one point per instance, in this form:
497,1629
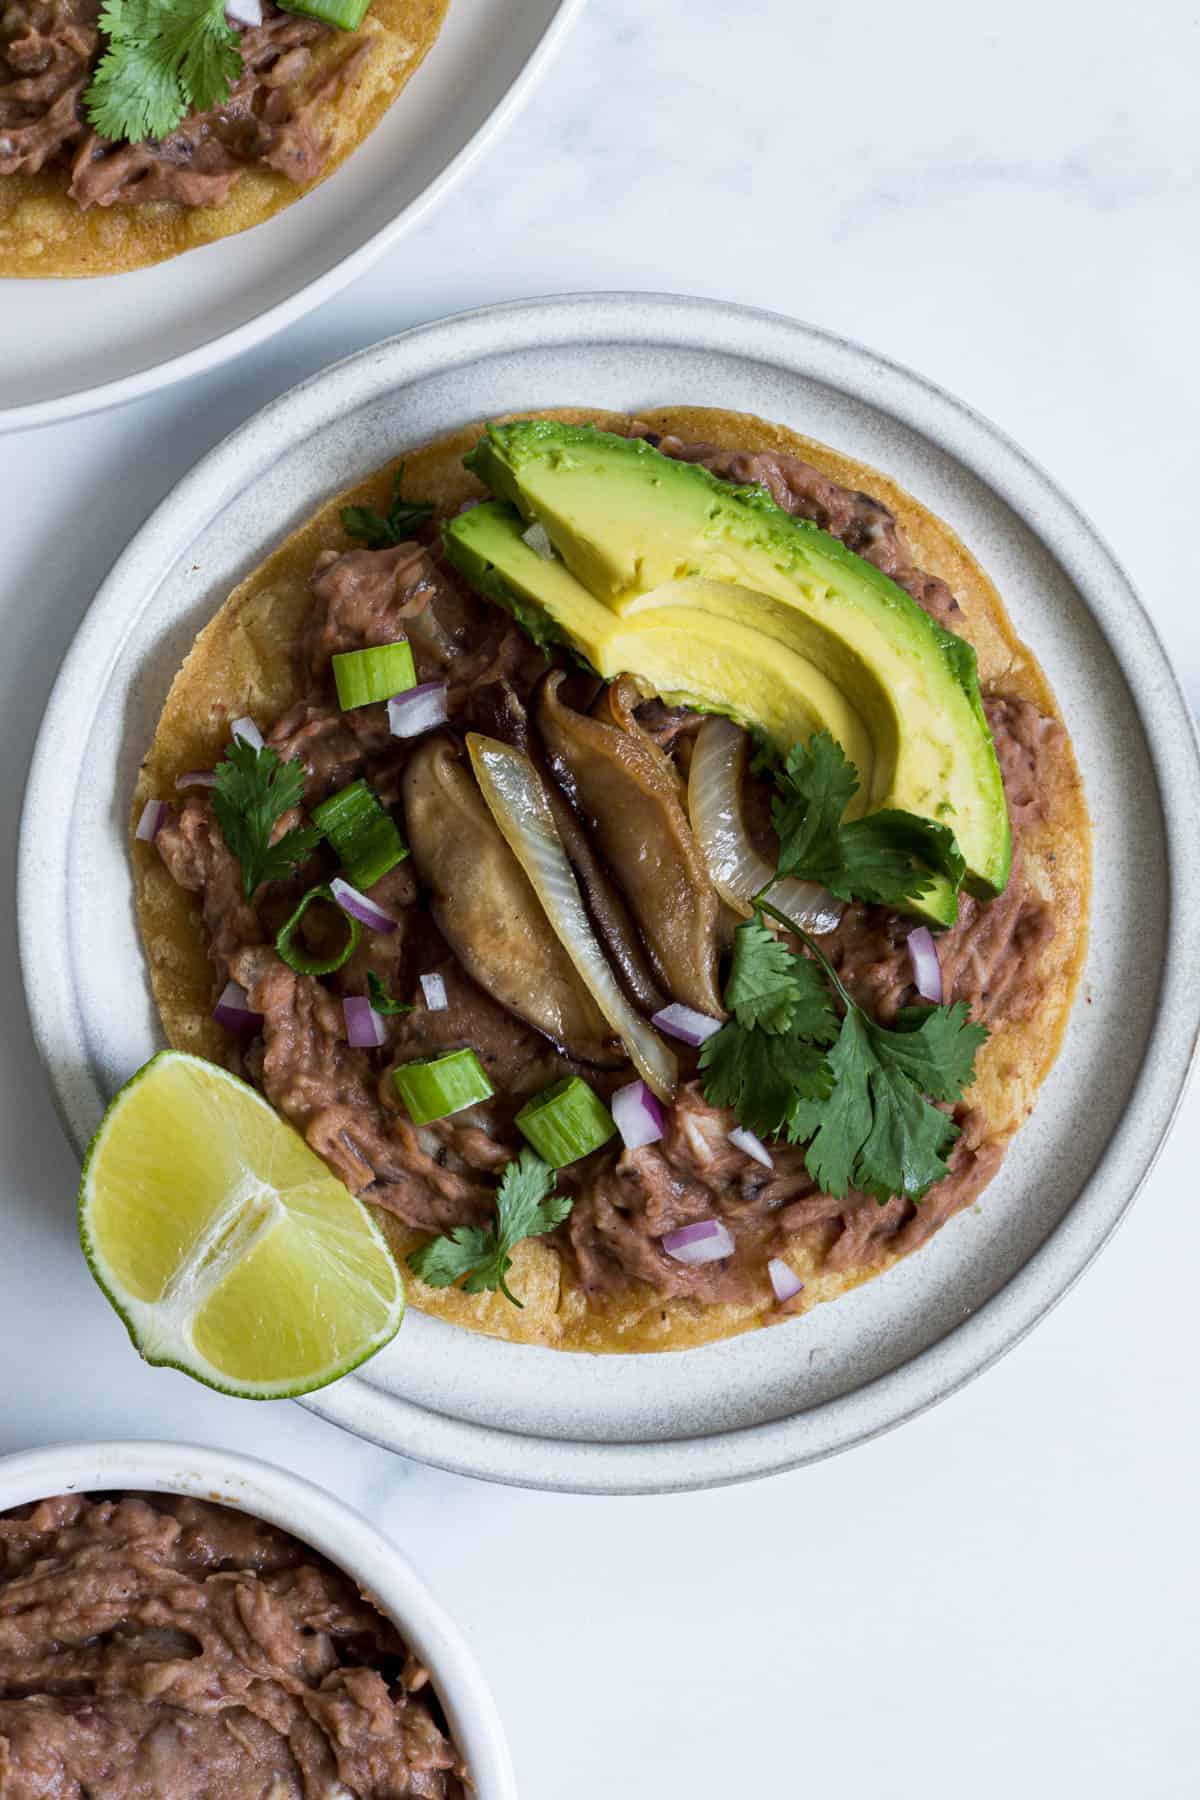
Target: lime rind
353,1251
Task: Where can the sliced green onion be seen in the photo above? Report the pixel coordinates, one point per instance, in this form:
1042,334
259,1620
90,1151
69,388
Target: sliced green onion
361,832
435,1088
346,15
364,676
566,1121
299,959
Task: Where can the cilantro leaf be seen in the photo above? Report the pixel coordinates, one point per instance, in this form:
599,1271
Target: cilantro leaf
762,1075
767,1058
769,986
845,1120
164,60
888,858
814,788
253,792
907,1147
526,1206
885,854
377,529
935,1046
444,1260
879,1132
380,999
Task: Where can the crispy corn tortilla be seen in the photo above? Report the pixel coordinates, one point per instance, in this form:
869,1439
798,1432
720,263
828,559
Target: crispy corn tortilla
241,664
44,233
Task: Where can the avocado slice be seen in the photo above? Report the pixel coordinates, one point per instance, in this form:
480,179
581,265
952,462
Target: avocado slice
712,594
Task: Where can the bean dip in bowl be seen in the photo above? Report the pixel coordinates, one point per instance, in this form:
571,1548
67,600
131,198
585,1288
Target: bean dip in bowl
178,1621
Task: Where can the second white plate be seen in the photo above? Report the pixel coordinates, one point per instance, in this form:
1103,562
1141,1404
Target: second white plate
90,344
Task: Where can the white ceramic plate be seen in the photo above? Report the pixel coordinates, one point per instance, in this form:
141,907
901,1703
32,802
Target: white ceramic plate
801,1390
370,1559
90,344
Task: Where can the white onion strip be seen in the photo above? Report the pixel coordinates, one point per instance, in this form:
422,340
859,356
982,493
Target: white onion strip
749,1145
926,968
516,799
244,12
248,731
715,808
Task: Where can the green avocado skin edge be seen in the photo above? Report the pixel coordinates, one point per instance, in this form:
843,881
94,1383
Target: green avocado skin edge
626,521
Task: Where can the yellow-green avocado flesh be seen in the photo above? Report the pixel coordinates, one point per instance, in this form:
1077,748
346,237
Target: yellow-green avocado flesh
713,596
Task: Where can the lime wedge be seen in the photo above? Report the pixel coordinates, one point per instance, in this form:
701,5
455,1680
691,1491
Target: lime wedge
225,1244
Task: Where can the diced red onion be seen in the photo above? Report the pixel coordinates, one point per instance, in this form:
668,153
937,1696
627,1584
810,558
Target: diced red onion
248,731
244,12
785,1281
360,908
434,989
233,1010
638,1115
365,1028
538,539
155,814
705,1242
418,709
927,970
197,778
753,1146
685,1023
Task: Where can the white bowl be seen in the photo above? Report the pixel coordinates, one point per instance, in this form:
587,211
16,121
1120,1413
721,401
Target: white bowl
372,1562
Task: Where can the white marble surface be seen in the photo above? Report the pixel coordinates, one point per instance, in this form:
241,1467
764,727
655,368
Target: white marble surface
1000,1597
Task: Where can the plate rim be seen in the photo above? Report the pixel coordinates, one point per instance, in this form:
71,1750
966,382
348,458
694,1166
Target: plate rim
748,1452
227,346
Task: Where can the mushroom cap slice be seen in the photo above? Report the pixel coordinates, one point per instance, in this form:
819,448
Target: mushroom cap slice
486,908
631,799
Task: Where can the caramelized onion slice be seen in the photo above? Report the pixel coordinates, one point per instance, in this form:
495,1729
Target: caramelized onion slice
715,807
517,801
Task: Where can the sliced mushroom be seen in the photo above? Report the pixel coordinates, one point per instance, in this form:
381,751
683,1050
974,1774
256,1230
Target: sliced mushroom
497,712
487,911
629,796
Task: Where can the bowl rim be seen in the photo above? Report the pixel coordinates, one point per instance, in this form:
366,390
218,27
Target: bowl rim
381,1571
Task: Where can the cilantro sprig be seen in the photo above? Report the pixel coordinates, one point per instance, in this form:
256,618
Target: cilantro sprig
771,1052
860,1095
378,530
798,1058
888,857
164,60
253,791
526,1206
